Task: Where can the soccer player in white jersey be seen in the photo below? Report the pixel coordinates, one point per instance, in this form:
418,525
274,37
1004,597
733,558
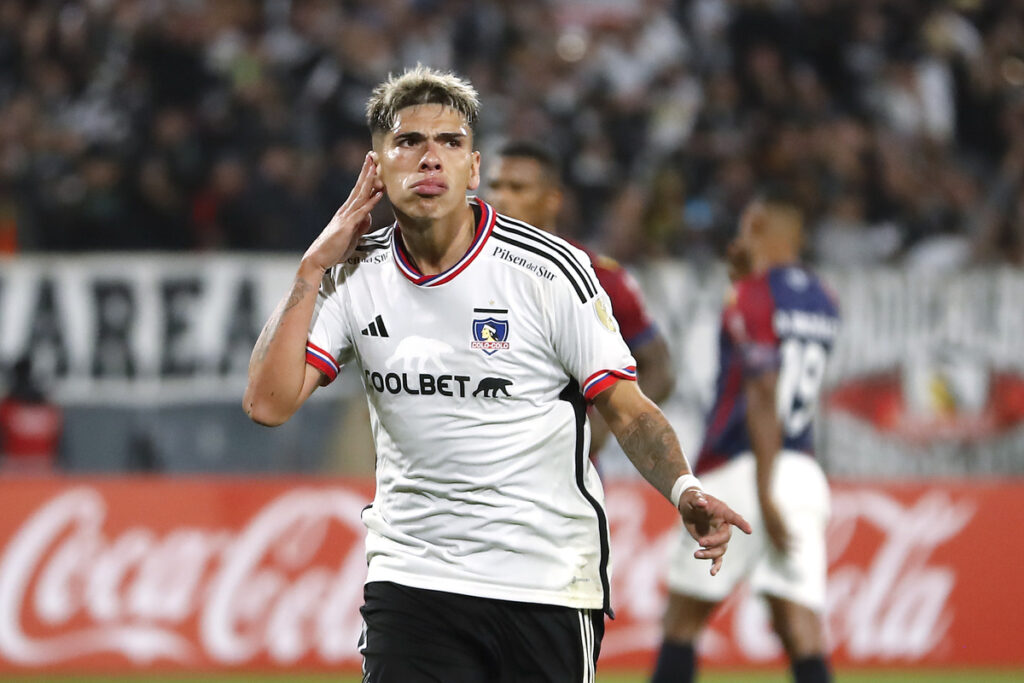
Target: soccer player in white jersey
479,343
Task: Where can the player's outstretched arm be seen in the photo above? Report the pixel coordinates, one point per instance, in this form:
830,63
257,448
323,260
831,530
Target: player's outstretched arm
766,441
279,379
652,446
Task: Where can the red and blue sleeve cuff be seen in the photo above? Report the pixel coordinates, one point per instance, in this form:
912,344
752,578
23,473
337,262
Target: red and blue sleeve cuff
322,361
603,379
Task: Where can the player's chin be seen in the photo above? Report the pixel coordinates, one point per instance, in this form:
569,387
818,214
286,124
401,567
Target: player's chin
427,206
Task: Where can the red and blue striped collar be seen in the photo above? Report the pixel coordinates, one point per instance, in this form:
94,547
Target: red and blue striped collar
484,227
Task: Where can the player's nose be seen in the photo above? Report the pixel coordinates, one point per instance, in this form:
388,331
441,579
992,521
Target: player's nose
431,160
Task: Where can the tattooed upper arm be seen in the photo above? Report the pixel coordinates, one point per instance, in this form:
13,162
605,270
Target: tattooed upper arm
300,289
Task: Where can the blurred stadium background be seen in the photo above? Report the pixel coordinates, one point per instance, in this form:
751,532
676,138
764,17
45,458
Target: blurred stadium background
164,162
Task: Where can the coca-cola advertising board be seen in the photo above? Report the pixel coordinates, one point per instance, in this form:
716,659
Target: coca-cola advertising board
126,574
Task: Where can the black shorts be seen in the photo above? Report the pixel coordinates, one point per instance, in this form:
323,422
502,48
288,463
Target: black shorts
413,635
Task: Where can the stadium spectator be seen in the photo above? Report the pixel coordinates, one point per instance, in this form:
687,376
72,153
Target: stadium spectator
477,436
30,425
95,92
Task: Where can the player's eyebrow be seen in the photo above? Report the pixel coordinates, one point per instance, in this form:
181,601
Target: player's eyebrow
411,136
454,136
414,136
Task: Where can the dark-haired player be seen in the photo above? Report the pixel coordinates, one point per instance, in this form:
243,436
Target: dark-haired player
479,343
778,327
525,183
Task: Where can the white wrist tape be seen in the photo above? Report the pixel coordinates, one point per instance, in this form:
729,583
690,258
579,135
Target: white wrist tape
687,481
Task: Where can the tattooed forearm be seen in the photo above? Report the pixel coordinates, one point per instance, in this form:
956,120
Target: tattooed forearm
299,291
654,450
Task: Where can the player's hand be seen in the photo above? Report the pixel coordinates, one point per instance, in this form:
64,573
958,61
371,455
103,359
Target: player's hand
710,522
351,221
775,526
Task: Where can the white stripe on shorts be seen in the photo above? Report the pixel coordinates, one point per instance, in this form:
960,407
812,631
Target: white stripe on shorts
587,641
362,646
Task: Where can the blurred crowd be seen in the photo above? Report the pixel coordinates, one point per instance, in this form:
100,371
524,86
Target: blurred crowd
238,124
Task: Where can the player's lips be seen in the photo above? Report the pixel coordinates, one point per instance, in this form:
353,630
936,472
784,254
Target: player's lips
430,187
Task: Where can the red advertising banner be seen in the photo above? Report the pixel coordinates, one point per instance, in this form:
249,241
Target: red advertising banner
922,574
225,574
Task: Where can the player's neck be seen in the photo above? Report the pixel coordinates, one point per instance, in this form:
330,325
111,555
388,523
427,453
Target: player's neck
437,244
767,258
548,224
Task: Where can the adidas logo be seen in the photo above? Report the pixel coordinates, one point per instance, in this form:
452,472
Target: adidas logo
376,328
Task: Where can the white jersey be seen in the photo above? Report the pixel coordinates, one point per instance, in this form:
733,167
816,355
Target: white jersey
476,380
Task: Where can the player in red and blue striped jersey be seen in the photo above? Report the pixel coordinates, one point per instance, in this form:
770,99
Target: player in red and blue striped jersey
525,183
778,327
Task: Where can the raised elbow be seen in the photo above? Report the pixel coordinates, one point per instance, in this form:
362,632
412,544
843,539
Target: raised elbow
264,413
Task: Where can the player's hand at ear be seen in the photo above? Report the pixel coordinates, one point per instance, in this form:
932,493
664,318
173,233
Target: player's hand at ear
351,221
709,521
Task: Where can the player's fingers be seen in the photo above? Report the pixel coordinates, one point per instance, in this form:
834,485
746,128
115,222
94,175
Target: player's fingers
718,509
715,557
739,522
361,203
717,537
373,200
367,194
727,515
710,553
362,213
364,184
355,192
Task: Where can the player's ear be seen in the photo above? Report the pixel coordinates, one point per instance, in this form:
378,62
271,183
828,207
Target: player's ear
474,173
554,200
758,222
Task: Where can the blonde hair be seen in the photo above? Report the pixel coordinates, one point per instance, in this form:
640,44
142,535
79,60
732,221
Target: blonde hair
420,85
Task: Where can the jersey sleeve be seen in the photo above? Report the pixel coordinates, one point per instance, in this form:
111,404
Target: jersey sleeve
328,345
748,320
635,324
586,336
